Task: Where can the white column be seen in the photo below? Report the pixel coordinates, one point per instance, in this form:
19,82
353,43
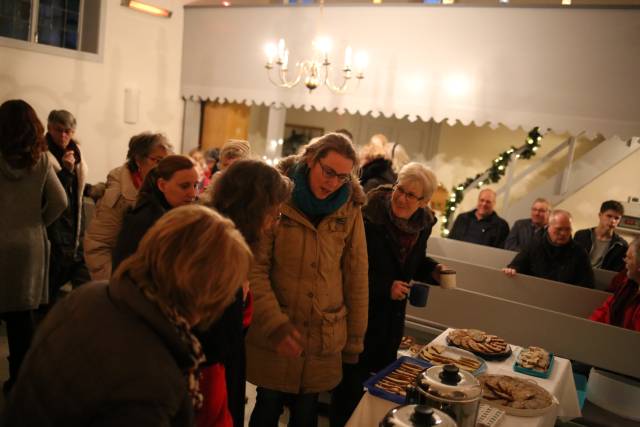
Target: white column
191,125
275,134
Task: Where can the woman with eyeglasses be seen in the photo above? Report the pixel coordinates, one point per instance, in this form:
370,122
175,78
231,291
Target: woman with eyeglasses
123,183
397,223
309,284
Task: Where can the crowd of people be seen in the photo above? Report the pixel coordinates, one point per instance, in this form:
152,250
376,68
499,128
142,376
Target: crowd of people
216,269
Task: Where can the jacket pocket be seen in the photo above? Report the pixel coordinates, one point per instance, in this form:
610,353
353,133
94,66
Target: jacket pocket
334,331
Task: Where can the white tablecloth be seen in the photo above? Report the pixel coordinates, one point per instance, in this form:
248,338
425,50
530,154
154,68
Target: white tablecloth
372,409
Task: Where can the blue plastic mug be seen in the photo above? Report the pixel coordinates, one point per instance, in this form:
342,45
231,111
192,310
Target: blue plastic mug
418,294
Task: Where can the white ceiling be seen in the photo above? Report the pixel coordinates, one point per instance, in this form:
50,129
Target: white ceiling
496,3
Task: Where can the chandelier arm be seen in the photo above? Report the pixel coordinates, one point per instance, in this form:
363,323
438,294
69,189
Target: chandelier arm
294,82
333,87
283,83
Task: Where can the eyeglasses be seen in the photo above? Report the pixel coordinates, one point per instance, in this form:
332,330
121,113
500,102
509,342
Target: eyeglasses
542,210
330,174
407,194
155,159
60,129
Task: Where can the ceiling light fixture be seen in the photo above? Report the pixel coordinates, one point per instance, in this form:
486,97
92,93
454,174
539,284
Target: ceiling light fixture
315,71
566,2
147,8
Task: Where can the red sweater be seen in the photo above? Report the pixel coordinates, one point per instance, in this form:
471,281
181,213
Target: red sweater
631,319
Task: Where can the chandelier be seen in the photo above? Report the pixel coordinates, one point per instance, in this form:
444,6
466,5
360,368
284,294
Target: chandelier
316,71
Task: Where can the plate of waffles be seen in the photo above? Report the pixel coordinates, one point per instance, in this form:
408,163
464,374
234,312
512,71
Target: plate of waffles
480,343
515,396
439,354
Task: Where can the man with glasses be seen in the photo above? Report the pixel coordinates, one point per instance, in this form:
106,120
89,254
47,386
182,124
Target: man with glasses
310,286
66,233
555,256
524,230
482,225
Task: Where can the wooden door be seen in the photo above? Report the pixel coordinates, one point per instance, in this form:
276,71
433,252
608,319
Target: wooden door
221,122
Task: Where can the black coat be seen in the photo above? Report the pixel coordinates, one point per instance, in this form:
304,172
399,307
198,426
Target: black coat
223,342
386,316
495,229
377,172
148,209
568,263
617,250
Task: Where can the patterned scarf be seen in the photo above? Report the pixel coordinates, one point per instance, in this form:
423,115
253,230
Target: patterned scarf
195,348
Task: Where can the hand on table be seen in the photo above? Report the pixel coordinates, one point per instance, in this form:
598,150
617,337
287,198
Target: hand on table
509,271
290,346
399,290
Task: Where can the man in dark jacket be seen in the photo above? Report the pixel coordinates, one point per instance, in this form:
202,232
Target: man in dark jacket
523,230
554,256
65,234
605,247
481,225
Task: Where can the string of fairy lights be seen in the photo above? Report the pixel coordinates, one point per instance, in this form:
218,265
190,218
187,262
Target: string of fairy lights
489,176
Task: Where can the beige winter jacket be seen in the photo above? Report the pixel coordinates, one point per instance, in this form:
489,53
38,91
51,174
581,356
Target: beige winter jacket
313,279
102,233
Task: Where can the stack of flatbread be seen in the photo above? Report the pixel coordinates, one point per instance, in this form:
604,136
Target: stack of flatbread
478,341
511,392
437,355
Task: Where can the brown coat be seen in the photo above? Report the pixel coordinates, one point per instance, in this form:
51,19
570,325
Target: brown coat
313,279
104,356
102,233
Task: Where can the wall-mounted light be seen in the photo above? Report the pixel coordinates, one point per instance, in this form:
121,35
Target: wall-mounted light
147,8
566,2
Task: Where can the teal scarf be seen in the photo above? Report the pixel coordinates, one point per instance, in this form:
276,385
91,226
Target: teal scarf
304,199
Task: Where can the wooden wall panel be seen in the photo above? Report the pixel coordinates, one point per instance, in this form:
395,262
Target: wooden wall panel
221,122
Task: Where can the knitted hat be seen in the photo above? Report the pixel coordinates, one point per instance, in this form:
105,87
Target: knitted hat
235,148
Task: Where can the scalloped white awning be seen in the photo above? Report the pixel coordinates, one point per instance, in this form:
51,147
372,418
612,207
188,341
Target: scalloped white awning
567,70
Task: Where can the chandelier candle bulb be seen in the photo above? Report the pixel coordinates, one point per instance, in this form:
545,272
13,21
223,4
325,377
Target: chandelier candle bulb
271,50
281,48
285,60
347,58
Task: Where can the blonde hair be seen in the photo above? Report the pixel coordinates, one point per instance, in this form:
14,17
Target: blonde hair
382,140
192,260
415,172
370,152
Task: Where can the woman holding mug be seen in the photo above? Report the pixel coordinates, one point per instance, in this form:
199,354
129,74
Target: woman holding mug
397,223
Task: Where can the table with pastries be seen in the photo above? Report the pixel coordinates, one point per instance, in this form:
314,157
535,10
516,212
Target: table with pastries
371,409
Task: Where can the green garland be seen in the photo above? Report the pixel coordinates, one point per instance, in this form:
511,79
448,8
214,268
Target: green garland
491,175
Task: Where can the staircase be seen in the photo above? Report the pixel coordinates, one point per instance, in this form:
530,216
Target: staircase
576,174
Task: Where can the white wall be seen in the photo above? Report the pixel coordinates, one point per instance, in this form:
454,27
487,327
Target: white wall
560,68
140,51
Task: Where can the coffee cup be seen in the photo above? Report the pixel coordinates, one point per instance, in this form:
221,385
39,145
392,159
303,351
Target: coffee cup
448,279
418,294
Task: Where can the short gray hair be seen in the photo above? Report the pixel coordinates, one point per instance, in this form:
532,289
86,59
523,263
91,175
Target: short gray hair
62,117
556,212
421,174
